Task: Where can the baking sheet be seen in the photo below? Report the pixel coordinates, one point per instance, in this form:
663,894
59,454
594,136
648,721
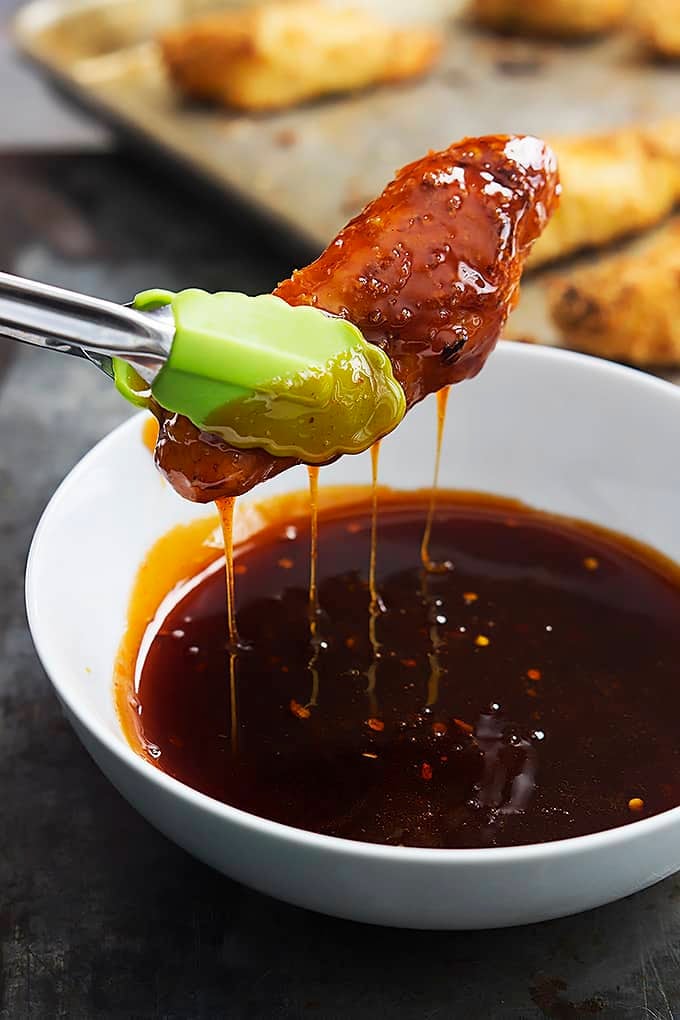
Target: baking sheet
312,167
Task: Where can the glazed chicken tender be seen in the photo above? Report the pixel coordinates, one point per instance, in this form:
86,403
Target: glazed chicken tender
626,306
612,185
276,55
428,271
561,18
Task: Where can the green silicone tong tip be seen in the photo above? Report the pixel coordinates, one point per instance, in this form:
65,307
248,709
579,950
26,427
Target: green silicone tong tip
261,373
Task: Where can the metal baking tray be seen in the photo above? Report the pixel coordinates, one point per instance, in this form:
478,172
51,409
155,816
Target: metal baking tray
310,168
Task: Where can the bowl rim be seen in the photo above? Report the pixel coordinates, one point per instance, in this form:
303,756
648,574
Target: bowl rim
117,745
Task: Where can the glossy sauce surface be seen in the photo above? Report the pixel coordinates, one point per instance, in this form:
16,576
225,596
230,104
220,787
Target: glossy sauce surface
528,694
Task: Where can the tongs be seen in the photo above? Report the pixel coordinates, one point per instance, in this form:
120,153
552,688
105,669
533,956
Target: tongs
86,327
256,371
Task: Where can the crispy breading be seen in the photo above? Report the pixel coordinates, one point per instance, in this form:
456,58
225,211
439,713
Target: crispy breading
612,185
626,306
658,26
562,18
279,54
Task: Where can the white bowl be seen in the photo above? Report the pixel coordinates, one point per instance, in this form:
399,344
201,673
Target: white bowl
560,431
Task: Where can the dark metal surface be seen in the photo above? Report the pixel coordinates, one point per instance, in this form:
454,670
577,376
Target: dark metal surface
100,916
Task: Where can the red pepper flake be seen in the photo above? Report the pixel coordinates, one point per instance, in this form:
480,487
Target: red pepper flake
301,711
350,642
439,729
240,568
409,663
426,771
534,674
286,563
376,724
353,527
532,693
591,563
465,727
469,597
636,804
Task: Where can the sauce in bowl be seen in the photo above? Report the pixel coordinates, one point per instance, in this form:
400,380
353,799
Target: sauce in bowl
527,693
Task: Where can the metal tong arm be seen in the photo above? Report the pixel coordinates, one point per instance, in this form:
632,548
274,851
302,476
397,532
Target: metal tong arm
36,313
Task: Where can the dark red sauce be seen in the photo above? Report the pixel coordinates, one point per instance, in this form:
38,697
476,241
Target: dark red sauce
529,694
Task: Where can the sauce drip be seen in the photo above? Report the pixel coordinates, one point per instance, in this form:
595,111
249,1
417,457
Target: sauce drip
225,509
313,609
558,699
427,561
434,605
375,463
375,605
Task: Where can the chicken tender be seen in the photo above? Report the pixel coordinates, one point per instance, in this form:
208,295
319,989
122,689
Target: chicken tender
279,54
428,271
561,18
627,306
612,185
658,26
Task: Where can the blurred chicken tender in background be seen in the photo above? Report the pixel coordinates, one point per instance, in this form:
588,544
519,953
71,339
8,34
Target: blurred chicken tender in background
279,54
658,26
560,18
613,184
626,306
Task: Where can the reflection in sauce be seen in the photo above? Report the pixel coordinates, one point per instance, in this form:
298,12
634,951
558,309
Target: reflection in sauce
436,619
174,560
557,706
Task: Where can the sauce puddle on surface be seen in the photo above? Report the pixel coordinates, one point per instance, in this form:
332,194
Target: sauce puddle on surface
554,711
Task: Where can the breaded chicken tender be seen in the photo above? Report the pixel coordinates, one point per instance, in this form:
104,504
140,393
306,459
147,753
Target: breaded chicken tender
279,54
626,306
561,18
612,185
658,26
